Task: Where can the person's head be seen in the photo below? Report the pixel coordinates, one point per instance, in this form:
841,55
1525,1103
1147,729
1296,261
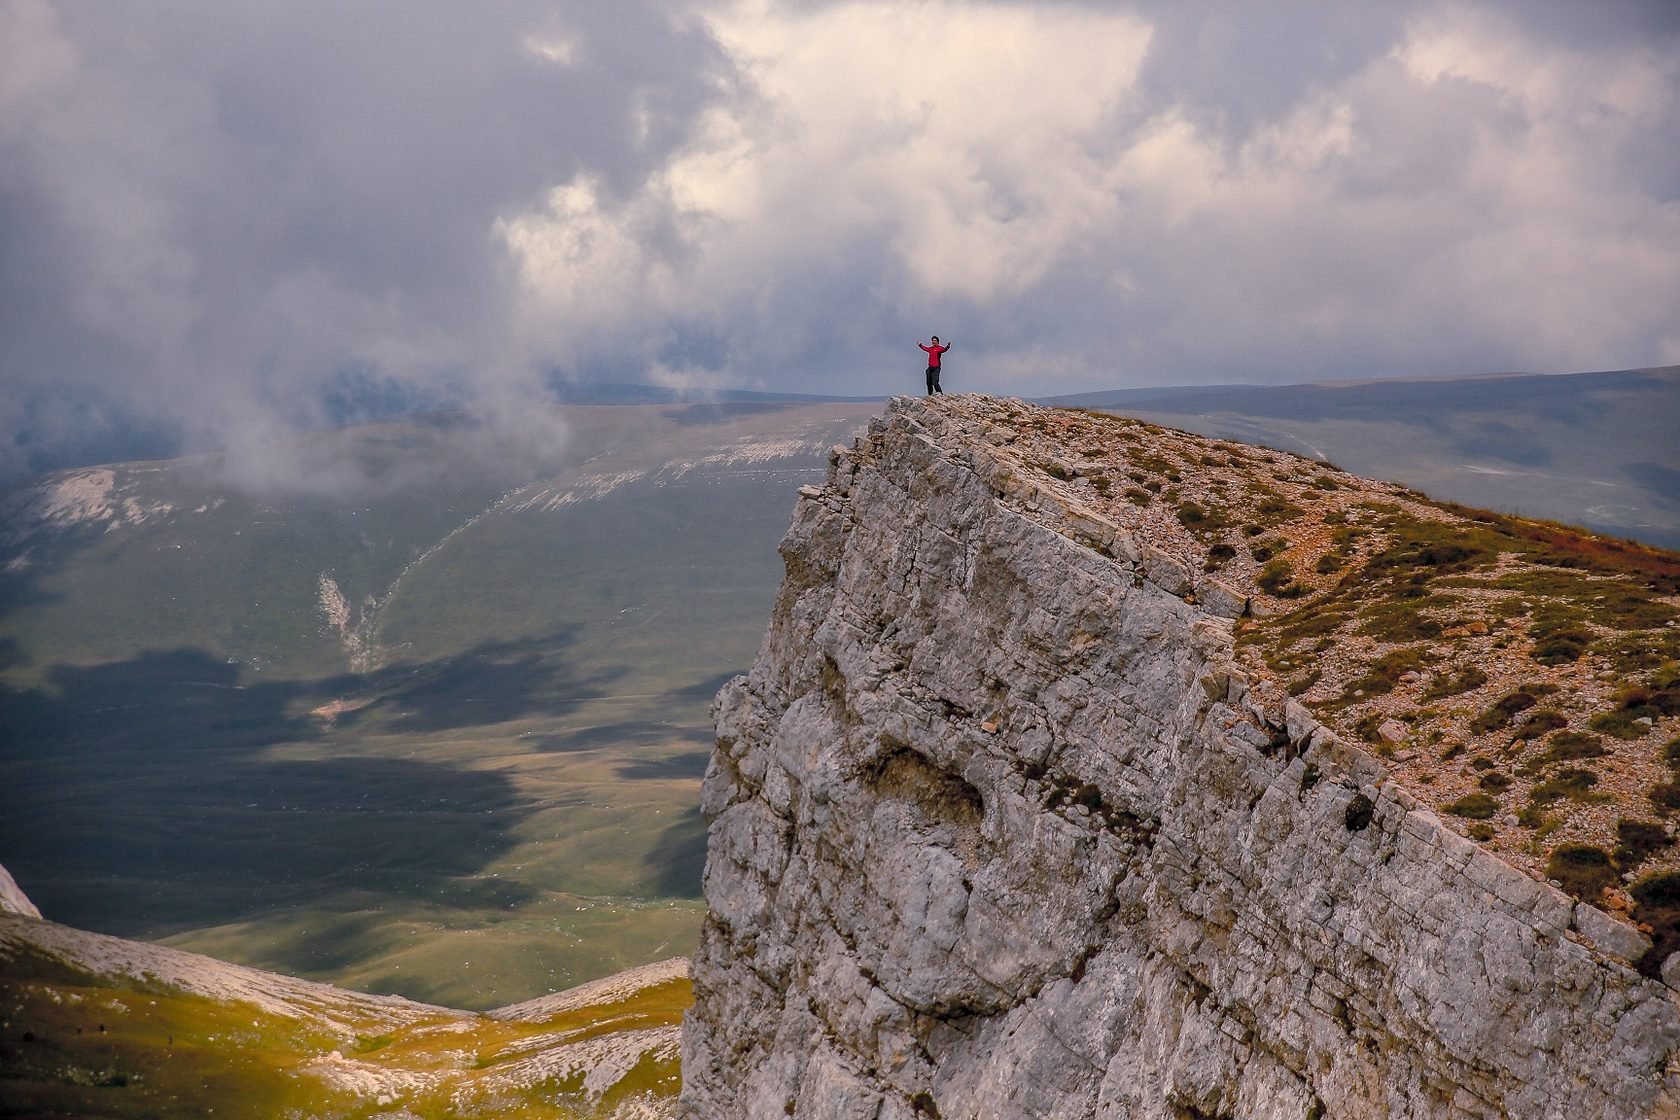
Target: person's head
936,338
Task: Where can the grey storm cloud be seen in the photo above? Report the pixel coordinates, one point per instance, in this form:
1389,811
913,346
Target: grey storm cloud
234,218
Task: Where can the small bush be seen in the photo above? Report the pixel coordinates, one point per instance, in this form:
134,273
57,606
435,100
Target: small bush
1566,745
1217,555
1276,509
1623,723
1503,710
1665,796
1637,841
1385,673
1657,904
1277,578
1138,497
1193,516
1571,784
1539,722
1474,806
1470,679
1495,782
1399,620
1582,870
1558,637
1328,563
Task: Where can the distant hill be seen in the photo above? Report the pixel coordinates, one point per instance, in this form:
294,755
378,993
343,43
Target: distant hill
1597,449
101,1027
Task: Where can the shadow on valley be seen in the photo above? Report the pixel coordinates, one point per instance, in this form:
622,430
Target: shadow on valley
680,855
688,766
625,733
143,798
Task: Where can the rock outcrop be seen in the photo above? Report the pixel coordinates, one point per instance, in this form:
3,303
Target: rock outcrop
12,898
1000,829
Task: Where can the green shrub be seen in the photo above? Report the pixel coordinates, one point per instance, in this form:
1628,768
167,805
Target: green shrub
1559,637
1277,578
1468,680
1657,904
1385,673
1399,619
1582,870
1566,745
1502,711
1636,841
1539,722
1217,555
1570,783
1665,796
1474,806
1624,722
1193,516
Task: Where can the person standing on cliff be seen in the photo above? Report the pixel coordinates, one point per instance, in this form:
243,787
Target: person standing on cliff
933,353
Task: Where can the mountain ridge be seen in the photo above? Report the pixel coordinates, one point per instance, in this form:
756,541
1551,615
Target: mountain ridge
1002,824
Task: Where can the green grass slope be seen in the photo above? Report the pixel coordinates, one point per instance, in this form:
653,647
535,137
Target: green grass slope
91,1026
1596,449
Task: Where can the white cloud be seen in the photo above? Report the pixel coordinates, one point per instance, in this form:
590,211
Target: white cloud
968,144
211,215
1450,203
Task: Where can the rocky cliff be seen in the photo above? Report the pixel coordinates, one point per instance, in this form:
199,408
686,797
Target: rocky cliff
1002,825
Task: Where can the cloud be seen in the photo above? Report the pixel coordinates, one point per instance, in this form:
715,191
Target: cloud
1090,196
214,212
230,216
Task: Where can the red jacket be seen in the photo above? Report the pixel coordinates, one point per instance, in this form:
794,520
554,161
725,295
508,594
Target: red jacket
933,353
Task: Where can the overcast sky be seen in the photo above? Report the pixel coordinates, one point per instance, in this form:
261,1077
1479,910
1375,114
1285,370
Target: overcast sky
227,216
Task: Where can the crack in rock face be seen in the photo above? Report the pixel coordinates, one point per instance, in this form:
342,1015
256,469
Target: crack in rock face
999,828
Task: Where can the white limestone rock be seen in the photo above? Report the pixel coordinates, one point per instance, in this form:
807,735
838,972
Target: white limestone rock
997,830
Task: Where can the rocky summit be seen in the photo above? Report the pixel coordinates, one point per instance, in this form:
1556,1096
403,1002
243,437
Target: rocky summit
1091,769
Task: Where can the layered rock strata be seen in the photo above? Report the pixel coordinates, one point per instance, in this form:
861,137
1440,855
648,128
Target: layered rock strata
999,829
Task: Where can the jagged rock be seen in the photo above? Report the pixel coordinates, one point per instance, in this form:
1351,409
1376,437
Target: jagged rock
1157,892
1392,730
12,898
1219,598
1609,935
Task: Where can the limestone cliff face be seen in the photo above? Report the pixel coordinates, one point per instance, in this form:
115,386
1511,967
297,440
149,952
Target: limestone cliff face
999,830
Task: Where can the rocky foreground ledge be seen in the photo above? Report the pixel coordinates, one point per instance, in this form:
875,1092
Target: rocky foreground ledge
1002,826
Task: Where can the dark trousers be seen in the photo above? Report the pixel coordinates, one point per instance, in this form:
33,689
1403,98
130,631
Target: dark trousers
933,381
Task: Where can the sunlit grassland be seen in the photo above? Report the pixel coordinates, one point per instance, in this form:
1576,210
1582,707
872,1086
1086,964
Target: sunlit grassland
73,1045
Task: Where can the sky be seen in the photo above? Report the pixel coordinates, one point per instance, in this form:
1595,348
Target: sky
224,220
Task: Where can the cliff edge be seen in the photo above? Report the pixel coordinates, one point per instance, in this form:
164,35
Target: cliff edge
1003,825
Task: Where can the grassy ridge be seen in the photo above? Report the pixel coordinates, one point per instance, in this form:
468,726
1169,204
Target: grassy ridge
76,1044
